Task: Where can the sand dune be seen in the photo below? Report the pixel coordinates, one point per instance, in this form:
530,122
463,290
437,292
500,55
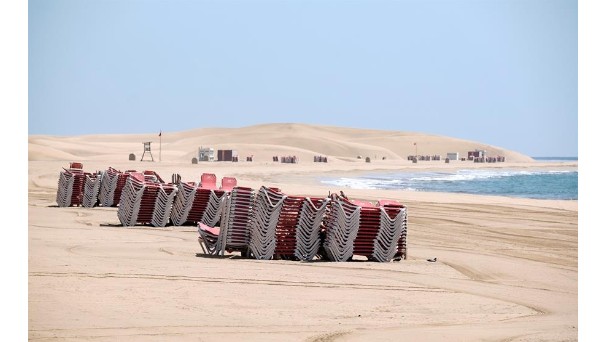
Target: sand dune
306,141
506,270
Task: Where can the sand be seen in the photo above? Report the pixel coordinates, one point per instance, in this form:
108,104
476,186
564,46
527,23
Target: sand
506,269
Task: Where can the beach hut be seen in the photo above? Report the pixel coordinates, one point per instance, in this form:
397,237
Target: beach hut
473,155
227,155
206,154
452,155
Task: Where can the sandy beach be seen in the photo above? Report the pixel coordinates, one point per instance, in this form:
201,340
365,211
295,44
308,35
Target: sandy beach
506,269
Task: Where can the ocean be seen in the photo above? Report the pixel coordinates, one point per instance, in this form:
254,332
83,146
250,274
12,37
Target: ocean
538,184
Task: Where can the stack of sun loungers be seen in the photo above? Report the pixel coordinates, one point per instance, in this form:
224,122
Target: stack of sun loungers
198,203
273,225
131,199
109,179
396,218
204,193
266,210
120,183
378,232
297,233
287,228
213,210
112,183
308,232
70,186
381,227
163,204
145,202
186,192
92,184
265,225
235,229
341,229
369,224
233,234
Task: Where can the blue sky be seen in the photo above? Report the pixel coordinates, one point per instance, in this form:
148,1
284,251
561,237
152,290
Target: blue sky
502,72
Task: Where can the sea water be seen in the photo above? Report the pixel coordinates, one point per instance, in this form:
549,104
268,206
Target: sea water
538,184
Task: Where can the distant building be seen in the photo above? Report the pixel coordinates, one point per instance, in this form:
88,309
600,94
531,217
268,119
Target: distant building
206,154
476,154
452,155
227,155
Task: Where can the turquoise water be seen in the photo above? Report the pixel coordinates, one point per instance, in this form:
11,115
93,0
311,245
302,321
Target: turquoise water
545,184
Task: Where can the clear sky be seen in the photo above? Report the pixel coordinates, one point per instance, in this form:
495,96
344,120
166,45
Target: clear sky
502,72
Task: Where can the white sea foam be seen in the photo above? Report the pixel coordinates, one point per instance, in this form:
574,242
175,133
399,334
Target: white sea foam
534,184
470,175
363,183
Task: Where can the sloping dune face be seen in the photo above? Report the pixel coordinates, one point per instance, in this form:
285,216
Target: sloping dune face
263,142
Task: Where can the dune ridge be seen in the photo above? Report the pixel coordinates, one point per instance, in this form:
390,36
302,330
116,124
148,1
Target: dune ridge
263,142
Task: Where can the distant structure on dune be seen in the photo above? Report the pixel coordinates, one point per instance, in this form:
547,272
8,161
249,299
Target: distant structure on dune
227,155
476,154
206,154
147,150
452,156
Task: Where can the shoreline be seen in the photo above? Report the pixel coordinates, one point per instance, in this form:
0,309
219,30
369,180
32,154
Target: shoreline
293,178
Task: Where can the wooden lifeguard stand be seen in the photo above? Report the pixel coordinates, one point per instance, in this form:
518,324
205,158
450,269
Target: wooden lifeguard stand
148,150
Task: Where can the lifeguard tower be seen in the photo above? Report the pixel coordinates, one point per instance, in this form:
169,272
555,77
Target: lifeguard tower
148,150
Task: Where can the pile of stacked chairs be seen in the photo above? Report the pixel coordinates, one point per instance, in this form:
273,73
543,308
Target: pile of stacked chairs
341,230
266,210
382,230
112,183
185,208
70,186
76,187
289,159
200,202
309,231
394,216
298,230
145,200
264,225
144,197
272,225
233,234
92,184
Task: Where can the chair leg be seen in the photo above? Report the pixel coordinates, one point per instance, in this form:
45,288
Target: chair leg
200,242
